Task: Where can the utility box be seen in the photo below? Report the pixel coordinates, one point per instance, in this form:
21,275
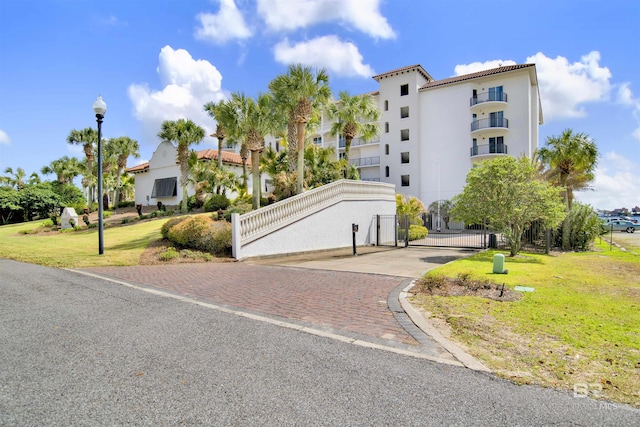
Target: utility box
67,215
498,264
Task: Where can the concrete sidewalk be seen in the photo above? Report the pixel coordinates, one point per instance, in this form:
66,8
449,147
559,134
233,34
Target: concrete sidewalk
411,262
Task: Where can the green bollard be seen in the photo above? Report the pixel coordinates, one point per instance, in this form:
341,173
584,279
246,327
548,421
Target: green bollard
498,264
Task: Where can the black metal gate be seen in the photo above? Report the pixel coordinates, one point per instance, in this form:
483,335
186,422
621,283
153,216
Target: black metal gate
390,230
445,234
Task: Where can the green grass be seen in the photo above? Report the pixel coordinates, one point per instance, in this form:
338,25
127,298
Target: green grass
580,325
123,245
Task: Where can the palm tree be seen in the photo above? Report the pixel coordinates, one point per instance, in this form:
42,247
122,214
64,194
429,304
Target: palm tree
348,112
65,168
88,138
570,161
300,92
15,179
218,111
185,133
123,147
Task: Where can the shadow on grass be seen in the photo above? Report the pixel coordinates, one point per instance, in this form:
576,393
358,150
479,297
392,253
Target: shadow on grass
139,243
522,258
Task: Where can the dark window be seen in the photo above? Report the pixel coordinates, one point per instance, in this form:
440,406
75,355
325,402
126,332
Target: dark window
386,149
317,140
166,187
386,127
404,90
405,180
386,171
404,135
404,112
404,157
386,105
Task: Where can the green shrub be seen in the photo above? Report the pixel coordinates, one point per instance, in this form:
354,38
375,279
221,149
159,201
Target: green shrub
218,239
584,225
417,232
216,202
92,225
188,233
240,208
106,214
164,230
126,204
169,254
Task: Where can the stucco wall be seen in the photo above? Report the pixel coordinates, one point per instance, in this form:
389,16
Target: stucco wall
327,229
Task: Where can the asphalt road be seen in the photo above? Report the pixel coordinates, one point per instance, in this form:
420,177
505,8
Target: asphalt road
78,350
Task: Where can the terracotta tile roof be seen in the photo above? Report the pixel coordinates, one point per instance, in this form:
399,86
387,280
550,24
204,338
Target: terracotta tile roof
476,75
142,167
416,67
209,154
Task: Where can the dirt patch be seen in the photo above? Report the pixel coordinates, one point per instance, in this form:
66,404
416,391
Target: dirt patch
151,256
464,286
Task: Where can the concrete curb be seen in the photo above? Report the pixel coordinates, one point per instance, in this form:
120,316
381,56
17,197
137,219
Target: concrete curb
466,359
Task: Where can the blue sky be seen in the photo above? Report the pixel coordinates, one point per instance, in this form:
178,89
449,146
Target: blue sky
163,59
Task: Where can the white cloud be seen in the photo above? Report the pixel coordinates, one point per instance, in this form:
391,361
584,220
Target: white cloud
188,85
625,97
227,24
565,87
481,66
4,138
288,15
341,58
616,184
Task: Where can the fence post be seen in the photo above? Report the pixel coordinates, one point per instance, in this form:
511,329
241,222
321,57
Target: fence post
377,230
548,241
406,231
395,229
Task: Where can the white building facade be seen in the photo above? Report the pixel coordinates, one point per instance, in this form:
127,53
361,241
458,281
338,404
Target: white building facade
432,132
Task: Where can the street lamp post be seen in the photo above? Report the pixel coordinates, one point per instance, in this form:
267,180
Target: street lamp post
99,107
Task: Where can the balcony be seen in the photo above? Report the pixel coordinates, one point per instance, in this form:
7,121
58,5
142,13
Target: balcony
488,149
491,123
356,142
486,98
365,161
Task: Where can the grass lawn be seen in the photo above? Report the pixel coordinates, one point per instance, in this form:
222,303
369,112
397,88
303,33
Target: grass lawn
579,328
123,245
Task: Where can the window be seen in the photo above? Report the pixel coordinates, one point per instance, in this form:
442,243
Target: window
496,145
386,127
386,171
386,149
404,157
495,94
404,135
317,140
404,180
474,147
342,142
386,105
497,119
342,155
404,90
165,187
404,112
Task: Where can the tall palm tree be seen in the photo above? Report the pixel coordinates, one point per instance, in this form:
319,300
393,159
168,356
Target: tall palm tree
15,178
570,161
185,133
300,92
124,147
65,168
354,116
88,138
218,111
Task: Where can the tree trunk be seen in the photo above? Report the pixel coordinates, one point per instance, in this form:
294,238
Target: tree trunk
300,129
220,153
255,178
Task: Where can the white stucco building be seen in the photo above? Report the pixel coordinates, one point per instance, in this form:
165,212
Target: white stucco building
158,180
434,131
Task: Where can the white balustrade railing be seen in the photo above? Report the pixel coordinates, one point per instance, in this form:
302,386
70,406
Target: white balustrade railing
268,219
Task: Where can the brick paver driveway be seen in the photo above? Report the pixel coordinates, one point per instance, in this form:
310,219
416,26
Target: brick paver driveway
343,301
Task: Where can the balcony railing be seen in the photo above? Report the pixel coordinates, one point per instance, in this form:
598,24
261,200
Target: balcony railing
488,97
355,142
484,149
365,161
489,123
